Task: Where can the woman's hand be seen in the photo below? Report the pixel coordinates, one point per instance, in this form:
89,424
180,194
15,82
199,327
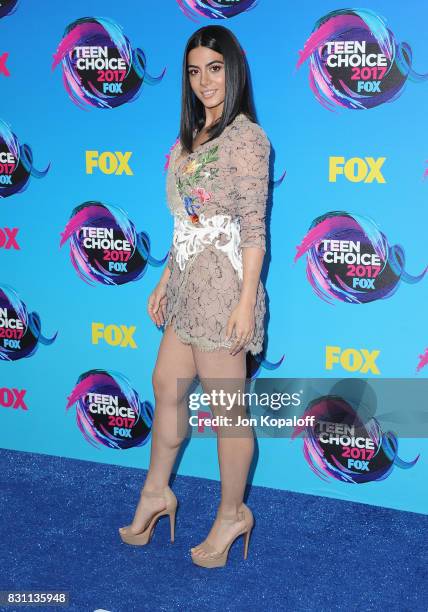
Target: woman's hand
156,304
242,319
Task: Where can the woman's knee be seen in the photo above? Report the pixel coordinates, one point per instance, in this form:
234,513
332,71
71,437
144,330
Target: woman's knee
161,383
167,388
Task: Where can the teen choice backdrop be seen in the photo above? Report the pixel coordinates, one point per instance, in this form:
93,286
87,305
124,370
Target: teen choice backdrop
90,107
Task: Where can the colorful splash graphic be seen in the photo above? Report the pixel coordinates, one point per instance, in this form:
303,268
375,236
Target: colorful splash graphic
109,411
215,9
342,446
423,360
16,163
349,259
168,155
100,68
355,62
20,331
105,247
256,364
7,7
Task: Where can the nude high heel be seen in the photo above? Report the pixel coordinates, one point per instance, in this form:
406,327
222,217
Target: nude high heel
215,558
142,538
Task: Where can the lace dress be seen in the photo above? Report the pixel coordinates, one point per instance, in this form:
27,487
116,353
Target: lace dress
217,195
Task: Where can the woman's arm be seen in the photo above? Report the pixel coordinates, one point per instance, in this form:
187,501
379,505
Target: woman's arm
156,304
250,174
252,261
165,276
167,270
249,164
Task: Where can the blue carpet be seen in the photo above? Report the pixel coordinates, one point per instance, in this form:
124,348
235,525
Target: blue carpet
59,520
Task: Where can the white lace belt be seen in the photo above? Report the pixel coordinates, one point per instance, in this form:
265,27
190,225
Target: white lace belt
190,238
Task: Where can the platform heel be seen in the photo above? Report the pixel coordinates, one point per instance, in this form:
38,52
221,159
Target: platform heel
144,537
215,558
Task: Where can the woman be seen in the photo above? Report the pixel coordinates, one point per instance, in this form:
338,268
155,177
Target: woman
210,298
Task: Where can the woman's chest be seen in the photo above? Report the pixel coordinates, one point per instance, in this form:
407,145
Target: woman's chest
197,178
200,167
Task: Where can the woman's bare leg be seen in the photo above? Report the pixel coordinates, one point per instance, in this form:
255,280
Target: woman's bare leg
174,361
235,444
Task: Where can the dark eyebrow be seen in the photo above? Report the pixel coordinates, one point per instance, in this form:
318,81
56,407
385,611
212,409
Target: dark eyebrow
209,64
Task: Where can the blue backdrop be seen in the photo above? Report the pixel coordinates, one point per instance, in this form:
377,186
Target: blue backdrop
304,135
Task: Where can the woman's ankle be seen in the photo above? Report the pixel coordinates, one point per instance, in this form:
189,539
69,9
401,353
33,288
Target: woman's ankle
154,488
229,509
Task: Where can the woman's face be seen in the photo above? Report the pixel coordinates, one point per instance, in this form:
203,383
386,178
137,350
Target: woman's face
205,69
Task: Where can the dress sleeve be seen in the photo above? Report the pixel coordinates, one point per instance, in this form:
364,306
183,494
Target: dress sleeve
249,171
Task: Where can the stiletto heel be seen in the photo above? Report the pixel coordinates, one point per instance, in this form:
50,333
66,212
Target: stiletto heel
172,523
144,537
213,557
246,541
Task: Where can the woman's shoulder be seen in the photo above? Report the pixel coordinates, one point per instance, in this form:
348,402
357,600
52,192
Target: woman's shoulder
243,128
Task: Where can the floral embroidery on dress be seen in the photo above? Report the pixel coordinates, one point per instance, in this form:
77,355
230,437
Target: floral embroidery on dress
203,195
188,184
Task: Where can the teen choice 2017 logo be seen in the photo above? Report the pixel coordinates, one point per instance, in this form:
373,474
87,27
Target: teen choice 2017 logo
100,68
355,62
340,445
349,259
105,246
109,411
215,9
20,331
7,7
16,163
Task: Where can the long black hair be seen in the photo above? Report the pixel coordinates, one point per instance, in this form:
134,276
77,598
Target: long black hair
238,98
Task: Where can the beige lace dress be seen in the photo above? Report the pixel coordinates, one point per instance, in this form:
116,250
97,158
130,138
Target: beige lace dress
217,195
